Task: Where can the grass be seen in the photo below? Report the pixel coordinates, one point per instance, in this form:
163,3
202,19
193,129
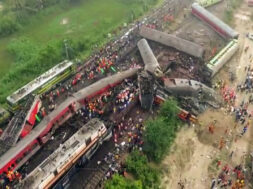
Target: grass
229,12
89,20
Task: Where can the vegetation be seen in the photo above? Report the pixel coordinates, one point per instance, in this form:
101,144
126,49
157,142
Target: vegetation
158,137
31,60
164,128
137,164
119,182
38,44
232,5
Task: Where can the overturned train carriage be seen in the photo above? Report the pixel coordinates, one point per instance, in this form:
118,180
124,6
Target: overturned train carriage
19,154
192,88
250,3
169,40
151,64
223,57
146,83
215,23
80,147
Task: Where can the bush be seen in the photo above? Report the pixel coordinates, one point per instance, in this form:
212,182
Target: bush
8,25
137,164
119,182
161,132
23,50
30,61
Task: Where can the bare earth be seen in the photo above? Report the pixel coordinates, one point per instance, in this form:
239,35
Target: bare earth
192,158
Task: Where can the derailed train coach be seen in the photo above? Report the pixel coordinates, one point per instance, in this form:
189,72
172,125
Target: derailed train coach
13,158
250,3
215,23
56,170
173,41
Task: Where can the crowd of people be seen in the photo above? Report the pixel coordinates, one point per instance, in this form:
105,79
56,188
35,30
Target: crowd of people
127,136
225,178
229,176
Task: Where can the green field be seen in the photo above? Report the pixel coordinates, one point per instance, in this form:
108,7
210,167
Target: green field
89,20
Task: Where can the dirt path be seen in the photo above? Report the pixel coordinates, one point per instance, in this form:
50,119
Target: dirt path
193,156
188,162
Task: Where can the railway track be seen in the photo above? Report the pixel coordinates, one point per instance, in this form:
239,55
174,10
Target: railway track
96,177
11,134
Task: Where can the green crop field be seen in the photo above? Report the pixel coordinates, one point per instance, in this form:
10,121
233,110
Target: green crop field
88,20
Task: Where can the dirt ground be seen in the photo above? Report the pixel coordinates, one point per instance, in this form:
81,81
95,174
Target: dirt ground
193,157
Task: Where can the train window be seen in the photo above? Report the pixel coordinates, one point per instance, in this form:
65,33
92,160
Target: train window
26,153
88,141
34,146
74,144
18,160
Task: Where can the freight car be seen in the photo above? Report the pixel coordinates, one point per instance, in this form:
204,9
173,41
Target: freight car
53,171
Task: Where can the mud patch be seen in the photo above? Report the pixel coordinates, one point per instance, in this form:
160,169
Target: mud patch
1,6
222,128
242,17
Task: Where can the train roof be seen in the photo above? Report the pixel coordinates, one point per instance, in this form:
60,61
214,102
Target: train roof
80,95
178,83
63,154
172,41
215,20
35,133
38,82
105,82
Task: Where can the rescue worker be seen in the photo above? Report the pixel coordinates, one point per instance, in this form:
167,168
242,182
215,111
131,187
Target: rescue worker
222,143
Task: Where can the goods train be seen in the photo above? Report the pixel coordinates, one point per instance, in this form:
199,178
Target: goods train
13,158
215,23
53,171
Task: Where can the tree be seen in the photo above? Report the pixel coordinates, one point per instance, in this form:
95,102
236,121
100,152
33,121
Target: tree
119,182
169,110
137,164
160,132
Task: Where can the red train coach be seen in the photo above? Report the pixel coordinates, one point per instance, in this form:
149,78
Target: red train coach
250,3
16,156
215,23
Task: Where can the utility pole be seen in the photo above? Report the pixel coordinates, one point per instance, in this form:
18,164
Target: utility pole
66,48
